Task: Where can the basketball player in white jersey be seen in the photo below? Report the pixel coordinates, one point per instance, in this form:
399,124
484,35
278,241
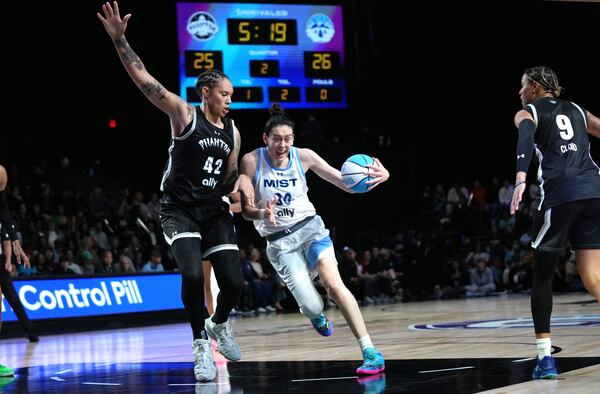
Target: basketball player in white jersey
298,244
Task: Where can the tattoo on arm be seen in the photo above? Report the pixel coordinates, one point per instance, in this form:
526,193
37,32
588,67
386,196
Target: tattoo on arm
129,55
154,88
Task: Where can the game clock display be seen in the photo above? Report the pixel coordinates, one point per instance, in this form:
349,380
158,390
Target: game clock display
290,54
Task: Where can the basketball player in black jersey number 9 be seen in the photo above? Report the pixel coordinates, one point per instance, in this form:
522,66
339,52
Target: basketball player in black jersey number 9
569,181
202,167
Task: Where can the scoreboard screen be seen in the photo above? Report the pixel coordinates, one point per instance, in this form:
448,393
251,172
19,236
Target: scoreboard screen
273,53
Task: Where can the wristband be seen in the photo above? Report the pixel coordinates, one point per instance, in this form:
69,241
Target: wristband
519,184
261,213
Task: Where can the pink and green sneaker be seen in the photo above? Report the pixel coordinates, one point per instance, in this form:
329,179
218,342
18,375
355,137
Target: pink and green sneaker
373,362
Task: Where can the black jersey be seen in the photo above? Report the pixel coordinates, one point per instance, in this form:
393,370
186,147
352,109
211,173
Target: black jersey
197,162
566,171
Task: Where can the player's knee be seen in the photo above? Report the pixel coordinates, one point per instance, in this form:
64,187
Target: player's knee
229,271
312,306
237,285
192,275
336,290
591,280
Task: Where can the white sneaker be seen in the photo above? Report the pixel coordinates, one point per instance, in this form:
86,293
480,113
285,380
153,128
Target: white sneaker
204,366
226,343
260,309
206,388
269,308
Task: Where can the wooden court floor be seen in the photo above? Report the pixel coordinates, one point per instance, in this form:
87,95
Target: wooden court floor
450,343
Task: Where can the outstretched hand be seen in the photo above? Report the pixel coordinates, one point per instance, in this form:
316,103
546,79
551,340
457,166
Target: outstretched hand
114,25
270,210
378,172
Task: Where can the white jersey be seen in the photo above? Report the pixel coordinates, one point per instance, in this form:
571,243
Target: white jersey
289,185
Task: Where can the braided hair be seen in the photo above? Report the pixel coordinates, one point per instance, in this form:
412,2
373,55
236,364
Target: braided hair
209,78
546,77
277,118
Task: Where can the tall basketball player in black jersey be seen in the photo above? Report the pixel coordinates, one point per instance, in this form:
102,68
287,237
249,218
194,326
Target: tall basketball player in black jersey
202,167
569,182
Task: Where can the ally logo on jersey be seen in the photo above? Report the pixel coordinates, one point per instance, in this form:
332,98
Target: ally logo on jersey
282,198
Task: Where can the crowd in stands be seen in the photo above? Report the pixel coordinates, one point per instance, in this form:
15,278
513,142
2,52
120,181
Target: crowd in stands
463,242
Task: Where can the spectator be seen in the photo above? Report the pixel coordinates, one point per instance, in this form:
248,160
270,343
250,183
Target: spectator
126,265
155,262
99,236
65,267
106,262
482,280
456,280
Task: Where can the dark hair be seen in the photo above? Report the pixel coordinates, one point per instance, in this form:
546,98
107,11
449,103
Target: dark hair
156,253
277,118
546,77
209,78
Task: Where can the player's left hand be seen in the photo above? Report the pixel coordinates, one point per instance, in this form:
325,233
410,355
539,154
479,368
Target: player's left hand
378,172
20,254
244,185
517,197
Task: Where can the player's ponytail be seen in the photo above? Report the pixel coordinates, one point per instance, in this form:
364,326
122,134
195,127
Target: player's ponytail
277,118
547,79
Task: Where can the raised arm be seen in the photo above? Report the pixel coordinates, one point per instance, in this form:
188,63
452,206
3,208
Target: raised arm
593,125
178,110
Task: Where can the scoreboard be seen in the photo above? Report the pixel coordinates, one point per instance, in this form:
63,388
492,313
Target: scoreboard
284,53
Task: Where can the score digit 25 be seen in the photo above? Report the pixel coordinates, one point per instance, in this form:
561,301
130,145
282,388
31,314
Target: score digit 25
199,61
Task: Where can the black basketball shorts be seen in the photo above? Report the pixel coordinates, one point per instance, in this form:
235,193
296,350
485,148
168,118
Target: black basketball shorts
576,221
213,225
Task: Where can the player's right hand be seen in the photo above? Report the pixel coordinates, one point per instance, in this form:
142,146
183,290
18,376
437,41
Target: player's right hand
114,25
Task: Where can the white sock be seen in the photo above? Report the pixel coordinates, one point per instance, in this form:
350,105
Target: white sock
544,347
365,342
